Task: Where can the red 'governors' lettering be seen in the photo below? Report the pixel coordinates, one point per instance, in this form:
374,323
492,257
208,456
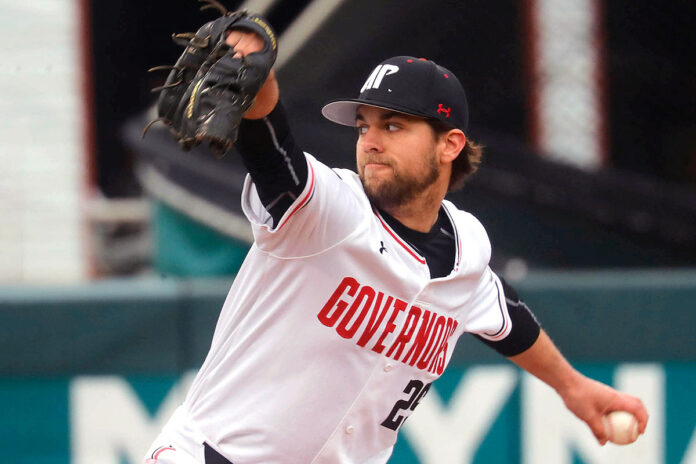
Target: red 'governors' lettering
367,316
364,299
376,318
406,332
399,305
326,316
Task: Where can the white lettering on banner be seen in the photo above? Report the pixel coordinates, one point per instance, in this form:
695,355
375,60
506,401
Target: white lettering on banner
550,433
690,454
109,423
108,420
646,381
452,433
375,79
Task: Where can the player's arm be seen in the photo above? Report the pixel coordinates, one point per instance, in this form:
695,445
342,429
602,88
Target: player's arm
283,179
586,398
528,346
275,162
525,328
269,152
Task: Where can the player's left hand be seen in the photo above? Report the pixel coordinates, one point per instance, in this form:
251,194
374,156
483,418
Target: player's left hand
244,42
217,79
590,400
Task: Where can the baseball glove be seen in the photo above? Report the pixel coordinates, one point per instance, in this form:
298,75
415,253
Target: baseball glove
208,90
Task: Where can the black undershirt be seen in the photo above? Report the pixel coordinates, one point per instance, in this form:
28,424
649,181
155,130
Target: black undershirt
436,246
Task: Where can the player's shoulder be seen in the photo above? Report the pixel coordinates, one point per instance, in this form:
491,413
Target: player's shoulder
339,181
351,179
347,175
464,219
339,173
469,228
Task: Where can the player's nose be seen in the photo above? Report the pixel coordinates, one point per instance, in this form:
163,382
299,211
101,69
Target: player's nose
370,140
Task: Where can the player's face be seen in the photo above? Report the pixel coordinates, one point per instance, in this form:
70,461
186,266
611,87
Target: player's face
396,156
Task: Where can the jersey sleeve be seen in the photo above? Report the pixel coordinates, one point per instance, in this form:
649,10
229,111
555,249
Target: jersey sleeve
488,316
326,212
524,327
274,160
497,316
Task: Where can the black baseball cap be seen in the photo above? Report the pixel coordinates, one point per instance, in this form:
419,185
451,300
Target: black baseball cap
408,85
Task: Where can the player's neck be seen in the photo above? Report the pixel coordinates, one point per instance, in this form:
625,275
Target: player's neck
419,214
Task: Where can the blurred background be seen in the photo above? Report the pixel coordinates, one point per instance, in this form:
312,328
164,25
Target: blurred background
116,252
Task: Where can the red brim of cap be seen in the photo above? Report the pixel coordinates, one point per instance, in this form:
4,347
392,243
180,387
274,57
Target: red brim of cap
344,111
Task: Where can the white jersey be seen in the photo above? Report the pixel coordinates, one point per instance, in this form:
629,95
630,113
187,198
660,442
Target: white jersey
333,330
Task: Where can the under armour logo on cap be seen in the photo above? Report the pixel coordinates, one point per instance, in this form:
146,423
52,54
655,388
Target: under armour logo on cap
442,109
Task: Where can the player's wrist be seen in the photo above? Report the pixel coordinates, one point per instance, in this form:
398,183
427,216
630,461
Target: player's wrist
569,384
266,100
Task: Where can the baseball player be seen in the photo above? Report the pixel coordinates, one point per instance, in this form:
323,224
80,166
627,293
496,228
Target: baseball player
358,285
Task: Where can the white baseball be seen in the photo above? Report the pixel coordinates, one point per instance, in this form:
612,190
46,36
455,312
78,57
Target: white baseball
621,427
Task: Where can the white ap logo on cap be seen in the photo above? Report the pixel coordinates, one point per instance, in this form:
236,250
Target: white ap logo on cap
377,75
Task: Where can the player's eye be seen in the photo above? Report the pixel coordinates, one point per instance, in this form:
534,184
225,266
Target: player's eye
362,130
392,127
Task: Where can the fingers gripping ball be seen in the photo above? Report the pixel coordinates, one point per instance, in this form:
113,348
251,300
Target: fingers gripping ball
209,88
621,427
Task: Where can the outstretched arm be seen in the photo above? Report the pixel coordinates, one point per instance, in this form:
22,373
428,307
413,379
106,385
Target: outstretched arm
265,143
586,398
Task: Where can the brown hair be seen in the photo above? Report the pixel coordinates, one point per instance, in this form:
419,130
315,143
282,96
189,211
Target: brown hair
466,163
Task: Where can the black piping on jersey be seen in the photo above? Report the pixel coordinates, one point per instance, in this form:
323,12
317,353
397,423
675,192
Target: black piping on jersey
502,312
305,201
525,328
457,241
337,174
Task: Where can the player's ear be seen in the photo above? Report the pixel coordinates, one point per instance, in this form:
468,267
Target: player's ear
453,142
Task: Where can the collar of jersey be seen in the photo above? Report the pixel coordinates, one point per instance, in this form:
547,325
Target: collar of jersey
411,249
404,244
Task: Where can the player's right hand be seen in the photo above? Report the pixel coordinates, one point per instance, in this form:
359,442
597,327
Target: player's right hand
590,400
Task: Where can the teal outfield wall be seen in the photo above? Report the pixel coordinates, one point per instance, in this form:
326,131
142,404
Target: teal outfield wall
89,374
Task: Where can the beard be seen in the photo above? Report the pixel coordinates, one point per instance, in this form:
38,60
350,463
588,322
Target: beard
401,188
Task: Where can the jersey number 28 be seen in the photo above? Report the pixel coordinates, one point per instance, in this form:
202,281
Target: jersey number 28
417,390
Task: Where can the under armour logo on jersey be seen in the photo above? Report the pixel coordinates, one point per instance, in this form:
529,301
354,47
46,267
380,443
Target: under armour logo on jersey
442,109
382,248
375,79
